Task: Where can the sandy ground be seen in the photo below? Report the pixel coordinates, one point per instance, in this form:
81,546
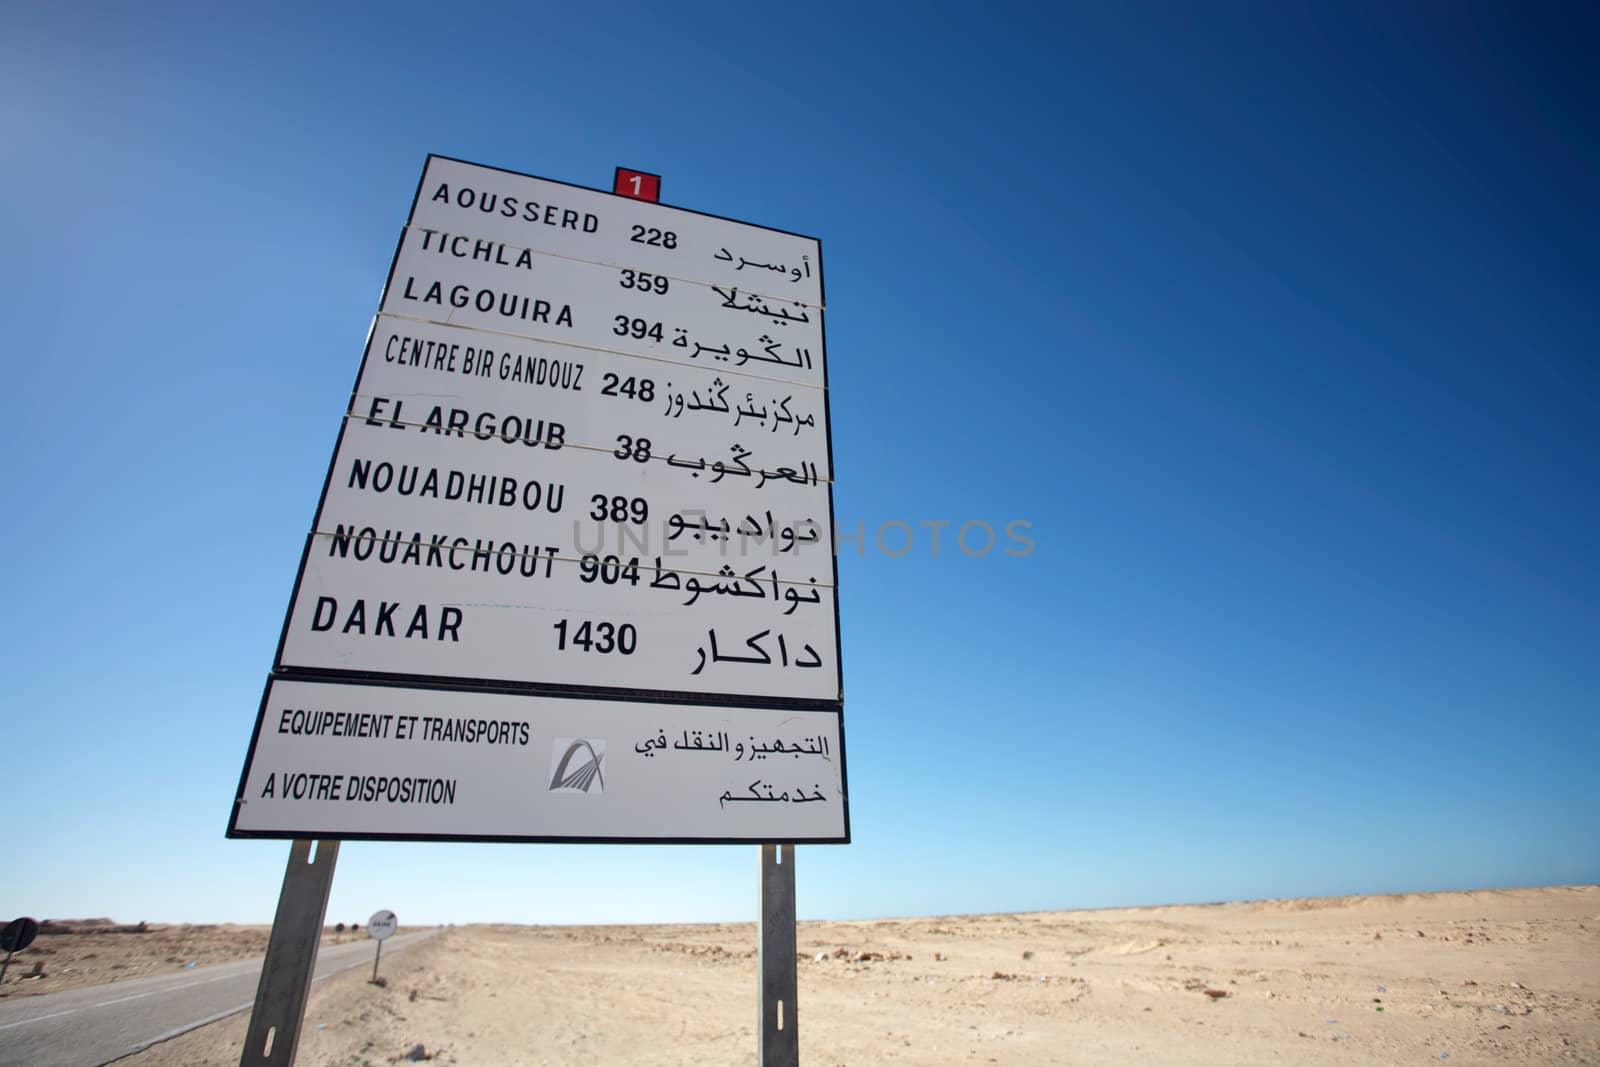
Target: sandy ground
1484,977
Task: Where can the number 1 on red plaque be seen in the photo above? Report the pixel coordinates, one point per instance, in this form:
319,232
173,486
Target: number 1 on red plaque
637,184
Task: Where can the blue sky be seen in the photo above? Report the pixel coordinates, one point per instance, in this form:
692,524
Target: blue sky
1278,327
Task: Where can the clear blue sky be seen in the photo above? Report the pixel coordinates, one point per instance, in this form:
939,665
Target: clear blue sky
1280,328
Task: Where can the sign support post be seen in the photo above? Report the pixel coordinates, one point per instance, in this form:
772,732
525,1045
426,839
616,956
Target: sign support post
280,1007
779,1027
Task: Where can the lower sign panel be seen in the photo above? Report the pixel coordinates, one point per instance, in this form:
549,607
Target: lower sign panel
342,760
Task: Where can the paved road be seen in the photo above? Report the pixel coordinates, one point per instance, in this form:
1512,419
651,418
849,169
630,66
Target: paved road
98,1024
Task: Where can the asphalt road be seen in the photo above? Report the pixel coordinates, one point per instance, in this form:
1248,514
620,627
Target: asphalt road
98,1024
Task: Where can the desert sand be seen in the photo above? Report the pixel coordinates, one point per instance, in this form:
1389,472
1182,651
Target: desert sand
1480,977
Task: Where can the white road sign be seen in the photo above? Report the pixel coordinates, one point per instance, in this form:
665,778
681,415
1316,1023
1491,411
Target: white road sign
358,761
533,488
382,925
586,457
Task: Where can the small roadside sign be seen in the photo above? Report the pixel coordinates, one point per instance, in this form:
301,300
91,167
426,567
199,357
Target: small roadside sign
381,925
18,935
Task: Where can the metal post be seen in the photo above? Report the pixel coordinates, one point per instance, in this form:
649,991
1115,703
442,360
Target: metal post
779,1027
376,956
274,1031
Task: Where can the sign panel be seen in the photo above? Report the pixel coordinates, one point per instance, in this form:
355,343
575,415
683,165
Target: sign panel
367,761
19,934
586,461
389,475
527,475
439,379
587,224
526,294
382,925
509,618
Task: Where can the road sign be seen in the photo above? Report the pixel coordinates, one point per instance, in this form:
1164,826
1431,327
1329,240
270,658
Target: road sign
18,934
343,760
382,925
379,927
588,447
583,487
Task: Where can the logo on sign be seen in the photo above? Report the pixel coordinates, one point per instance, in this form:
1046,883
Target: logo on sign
577,765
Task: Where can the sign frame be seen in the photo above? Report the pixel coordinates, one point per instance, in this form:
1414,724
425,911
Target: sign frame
282,669
729,696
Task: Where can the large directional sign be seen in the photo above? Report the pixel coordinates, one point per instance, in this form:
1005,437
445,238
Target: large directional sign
585,470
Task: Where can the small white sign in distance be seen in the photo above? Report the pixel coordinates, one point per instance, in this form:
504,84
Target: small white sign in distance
382,925
347,760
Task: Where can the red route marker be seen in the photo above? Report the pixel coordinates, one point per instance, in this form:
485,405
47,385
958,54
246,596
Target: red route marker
637,184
